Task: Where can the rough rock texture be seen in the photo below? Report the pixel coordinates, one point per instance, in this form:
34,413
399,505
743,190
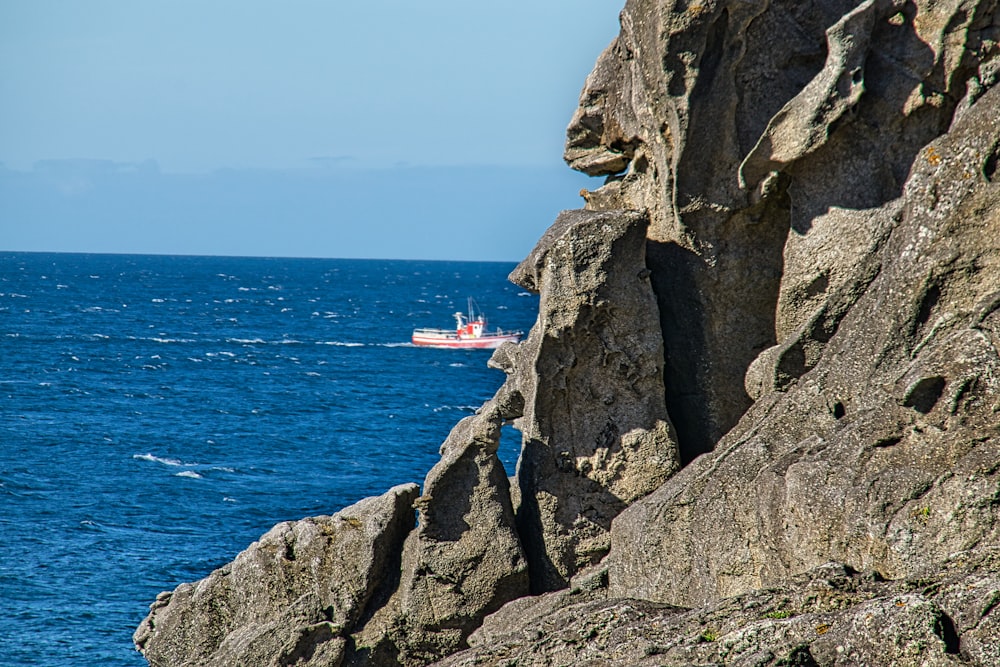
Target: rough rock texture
462,562
590,376
891,478
736,125
289,598
765,361
829,615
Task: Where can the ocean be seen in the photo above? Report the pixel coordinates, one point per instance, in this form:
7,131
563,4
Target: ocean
158,414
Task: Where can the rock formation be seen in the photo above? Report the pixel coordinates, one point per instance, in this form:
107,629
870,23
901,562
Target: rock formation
760,407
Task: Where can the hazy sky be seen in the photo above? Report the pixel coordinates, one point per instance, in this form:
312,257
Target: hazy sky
191,88
200,85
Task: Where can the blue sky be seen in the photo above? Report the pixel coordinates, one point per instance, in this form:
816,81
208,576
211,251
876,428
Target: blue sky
196,96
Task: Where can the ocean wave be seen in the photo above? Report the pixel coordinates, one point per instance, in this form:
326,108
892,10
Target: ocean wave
157,339
339,343
247,341
152,458
459,408
188,473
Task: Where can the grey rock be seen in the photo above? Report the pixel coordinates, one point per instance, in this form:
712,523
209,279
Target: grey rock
596,434
885,454
694,95
765,361
829,615
289,598
462,562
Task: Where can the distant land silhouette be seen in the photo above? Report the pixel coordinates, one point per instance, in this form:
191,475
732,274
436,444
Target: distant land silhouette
327,210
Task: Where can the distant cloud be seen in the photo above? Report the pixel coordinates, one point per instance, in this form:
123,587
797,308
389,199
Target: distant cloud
94,166
333,160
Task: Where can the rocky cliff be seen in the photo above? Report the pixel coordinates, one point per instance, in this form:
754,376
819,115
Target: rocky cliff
760,406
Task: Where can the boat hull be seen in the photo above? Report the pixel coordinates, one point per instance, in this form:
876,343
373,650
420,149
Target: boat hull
452,341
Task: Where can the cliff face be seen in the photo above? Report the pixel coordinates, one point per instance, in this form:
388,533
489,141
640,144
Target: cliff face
760,406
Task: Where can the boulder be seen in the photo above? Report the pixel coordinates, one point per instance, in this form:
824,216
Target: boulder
463,561
289,598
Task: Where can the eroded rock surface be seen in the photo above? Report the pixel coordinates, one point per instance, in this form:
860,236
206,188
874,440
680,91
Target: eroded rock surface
462,562
290,598
886,454
596,434
829,615
739,126
765,361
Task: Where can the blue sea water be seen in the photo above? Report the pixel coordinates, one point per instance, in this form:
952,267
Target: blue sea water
158,414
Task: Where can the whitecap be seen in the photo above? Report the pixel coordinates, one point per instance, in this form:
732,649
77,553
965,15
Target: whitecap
525,294
157,459
313,374
157,300
227,499
188,473
457,365
339,343
247,341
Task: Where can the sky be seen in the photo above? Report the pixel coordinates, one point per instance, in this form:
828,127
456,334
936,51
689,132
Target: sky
386,128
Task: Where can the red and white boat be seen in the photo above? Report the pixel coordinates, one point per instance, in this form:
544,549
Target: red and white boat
470,333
